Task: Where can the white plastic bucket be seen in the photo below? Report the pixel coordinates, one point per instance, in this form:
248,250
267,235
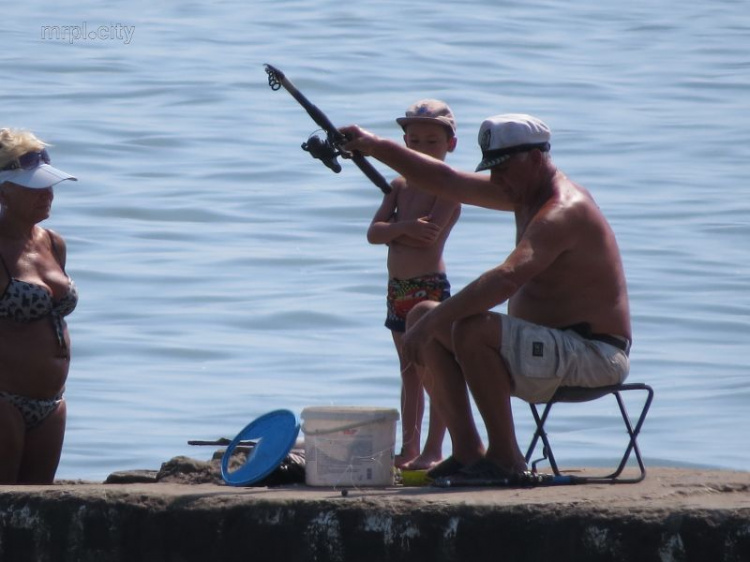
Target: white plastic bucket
349,445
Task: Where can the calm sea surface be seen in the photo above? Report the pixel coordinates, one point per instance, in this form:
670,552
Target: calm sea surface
223,273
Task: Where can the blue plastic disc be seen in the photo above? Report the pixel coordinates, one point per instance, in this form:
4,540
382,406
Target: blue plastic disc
275,434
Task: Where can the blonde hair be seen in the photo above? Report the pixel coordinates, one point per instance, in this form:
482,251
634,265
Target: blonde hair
14,143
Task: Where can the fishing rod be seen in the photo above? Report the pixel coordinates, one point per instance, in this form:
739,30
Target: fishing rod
326,150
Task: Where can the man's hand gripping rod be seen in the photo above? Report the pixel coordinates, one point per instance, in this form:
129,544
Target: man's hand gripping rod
325,150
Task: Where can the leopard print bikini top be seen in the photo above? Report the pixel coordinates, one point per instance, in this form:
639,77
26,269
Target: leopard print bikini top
26,302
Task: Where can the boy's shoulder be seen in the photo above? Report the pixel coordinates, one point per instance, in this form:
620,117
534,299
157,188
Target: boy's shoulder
399,182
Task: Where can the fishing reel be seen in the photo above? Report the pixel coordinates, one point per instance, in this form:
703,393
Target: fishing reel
326,150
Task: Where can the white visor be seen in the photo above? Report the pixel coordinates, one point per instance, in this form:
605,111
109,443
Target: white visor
39,177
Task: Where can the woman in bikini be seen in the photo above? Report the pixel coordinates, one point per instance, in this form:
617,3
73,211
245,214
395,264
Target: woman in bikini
35,296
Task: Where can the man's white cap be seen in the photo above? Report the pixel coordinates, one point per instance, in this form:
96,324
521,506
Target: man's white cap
502,136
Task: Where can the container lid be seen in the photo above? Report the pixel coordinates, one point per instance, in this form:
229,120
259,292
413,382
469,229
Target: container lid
339,413
275,434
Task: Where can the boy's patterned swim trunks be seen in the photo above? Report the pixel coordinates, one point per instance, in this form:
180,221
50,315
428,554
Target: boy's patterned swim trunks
405,294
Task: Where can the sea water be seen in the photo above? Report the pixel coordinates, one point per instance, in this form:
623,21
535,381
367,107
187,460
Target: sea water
224,273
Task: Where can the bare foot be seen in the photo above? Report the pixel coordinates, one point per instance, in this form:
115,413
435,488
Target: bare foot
422,462
404,458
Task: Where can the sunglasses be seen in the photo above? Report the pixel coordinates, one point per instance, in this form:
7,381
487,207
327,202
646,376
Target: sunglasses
28,161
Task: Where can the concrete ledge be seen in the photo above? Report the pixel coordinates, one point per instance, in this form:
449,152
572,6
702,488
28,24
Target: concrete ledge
674,515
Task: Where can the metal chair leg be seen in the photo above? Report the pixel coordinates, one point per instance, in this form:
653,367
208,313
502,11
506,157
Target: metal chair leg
579,394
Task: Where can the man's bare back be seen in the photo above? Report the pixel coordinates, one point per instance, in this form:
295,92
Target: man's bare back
586,281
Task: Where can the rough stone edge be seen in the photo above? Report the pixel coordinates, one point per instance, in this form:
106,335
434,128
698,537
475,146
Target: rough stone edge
122,526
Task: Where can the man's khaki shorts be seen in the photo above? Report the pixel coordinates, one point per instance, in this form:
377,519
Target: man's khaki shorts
541,359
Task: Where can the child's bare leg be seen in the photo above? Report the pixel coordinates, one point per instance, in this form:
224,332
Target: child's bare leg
412,409
432,453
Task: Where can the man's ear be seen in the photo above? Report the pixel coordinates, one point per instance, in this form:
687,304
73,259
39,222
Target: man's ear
452,144
536,156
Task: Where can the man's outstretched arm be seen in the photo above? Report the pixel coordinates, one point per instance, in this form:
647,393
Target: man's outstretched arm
429,174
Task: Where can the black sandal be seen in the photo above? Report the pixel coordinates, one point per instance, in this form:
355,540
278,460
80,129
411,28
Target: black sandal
448,467
482,473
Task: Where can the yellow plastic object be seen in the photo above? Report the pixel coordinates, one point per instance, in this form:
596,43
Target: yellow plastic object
413,478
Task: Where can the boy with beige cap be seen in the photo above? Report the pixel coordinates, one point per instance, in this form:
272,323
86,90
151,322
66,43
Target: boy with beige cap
415,226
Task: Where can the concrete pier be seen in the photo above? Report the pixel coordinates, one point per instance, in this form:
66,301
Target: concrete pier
674,515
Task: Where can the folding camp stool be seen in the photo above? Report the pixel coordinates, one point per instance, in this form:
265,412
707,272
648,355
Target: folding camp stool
574,394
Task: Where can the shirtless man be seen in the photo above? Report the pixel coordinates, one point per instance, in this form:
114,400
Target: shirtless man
568,320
